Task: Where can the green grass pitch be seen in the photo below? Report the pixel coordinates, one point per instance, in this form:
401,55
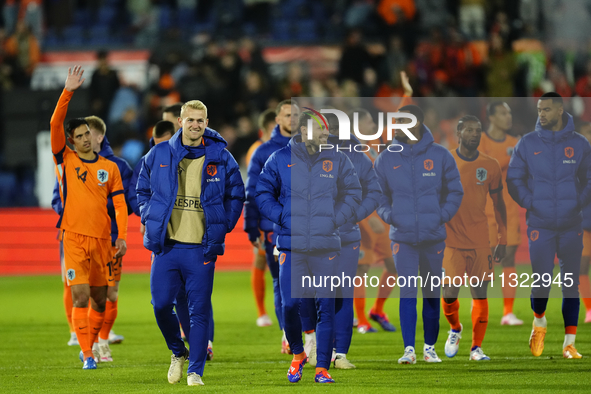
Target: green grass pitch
34,356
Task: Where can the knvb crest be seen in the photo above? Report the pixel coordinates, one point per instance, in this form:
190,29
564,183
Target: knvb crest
212,170
569,152
102,176
327,165
481,174
534,235
428,164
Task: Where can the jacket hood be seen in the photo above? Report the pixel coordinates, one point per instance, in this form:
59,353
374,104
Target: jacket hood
276,136
214,144
298,147
426,141
152,143
549,135
106,150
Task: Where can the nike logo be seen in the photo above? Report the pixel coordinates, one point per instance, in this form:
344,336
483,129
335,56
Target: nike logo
397,166
207,262
162,165
355,247
537,153
110,280
580,233
330,258
482,322
291,165
439,252
83,328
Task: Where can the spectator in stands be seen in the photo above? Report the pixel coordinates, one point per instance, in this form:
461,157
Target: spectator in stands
9,15
103,86
432,14
583,89
22,54
31,11
462,65
398,17
354,58
472,15
501,68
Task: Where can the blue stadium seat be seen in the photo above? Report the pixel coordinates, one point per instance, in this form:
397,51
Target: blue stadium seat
165,17
51,40
81,18
282,30
98,35
7,188
106,15
306,30
73,35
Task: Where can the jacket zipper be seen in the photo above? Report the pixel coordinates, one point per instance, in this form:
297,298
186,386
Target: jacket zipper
414,194
309,202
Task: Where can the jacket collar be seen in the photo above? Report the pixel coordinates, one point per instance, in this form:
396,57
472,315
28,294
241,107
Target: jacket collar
106,150
214,144
421,146
299,149
549,135
277,137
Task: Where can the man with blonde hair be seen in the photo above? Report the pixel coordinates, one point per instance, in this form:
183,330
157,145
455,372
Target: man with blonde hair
186,225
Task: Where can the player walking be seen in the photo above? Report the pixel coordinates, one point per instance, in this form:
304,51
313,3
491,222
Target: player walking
499,144
254,223
549,176
86,181
422,192
190,194
309,194
467,246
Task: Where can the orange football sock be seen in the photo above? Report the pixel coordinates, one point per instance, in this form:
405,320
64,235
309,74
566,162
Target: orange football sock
318,370
68,305
508,291
585,290
359,301
383,292
452,314
110,316
539,315
257,280
299,357
570,330
479,321
95,323
80,322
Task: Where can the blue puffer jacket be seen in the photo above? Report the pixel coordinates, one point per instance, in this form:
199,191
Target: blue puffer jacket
222,194
252,218
126,178
587,217
134,178
309,197
371,191
549,176
421,190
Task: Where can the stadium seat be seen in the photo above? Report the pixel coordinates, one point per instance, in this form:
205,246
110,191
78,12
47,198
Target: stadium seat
282,30
81,18
7,188
73,36
165,20
106,15
306,30
98,35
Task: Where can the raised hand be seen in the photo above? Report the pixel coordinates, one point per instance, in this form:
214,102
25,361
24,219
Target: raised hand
74,80
406,84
